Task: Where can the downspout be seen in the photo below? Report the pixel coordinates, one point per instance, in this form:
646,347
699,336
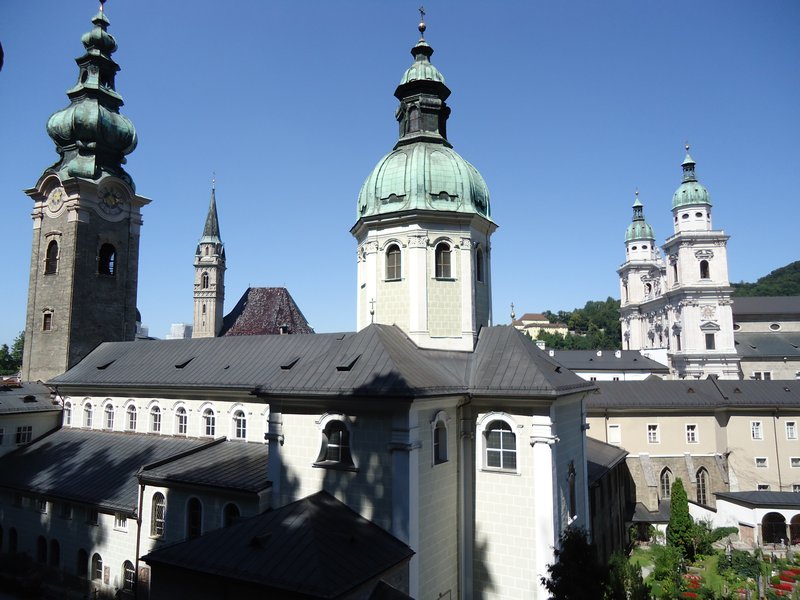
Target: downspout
138,538
775,417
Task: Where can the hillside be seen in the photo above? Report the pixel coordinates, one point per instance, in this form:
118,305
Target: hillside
781,282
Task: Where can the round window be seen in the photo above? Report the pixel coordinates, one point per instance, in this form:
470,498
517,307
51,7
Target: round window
775,326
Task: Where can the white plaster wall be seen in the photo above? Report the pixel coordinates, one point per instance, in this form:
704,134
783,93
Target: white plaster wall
567,416
40,422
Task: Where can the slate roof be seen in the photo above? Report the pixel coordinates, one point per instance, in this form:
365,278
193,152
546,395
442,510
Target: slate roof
772,344
754,306
26,398
231,465
88,466
762,499
589,360
601,458
701,395
642,515
316,546
379,360
263,311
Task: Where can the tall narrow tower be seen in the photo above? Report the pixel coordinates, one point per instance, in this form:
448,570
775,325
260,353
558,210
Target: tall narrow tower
86,221
698,289
424,224
209,276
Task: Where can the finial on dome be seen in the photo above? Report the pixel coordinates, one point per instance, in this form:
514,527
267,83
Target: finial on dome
421,25
513,314
213,180
686,145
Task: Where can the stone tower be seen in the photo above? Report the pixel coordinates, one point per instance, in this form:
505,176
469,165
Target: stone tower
209,276
641,279
424,225
86,221
698,289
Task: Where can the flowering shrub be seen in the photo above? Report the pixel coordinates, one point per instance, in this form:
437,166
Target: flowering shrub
782,586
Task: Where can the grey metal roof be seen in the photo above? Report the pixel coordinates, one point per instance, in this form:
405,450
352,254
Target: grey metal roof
379,360
232,465
762,499
316,546
754,306
642,515
700,395
601,458
771,344
606,360
25,398
93,467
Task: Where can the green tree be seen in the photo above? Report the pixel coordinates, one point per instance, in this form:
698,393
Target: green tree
681,529
625,581
576,574
11,358
784,281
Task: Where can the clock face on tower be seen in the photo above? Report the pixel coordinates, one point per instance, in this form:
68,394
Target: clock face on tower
55,199
111,200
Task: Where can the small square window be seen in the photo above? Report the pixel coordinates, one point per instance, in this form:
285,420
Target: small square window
763,487
24,434
796,487
41,505
691,434
791,430
92,516
761,462
615,434
120,522
652,433
795,462
756,431
65,510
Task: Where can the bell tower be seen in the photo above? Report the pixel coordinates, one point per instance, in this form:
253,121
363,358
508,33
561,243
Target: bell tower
209,276
424,224
86,221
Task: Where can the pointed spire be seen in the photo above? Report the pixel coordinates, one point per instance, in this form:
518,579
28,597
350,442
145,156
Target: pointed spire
688,166
211,229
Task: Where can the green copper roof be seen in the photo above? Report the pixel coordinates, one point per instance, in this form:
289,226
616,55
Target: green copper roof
691,192
423,172
639,229
91,137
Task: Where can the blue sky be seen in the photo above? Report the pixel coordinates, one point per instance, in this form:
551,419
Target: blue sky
565,108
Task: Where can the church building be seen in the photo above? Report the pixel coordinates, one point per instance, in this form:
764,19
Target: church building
453,449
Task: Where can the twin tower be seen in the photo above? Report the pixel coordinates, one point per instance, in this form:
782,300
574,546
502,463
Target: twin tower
423,227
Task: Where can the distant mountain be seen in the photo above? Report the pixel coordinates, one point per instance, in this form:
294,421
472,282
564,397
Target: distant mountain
781,282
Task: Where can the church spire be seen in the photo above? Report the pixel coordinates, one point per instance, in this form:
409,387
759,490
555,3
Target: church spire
211,229
91,137
209,275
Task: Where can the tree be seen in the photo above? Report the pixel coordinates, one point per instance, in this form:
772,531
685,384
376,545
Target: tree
681,528
625,581
11,358
576,574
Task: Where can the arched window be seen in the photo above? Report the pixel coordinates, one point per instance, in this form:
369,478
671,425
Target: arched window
573,499
704,270
335,448
155,419
109,413
209,422
12,540
181,421
51,258
443,270
41,549
106,260
229,514
204,281
158,515
131,413
47,320
393,263
479,265
239,425
128,576
67,413
194,518
666,483
701,482
55,553
87,415
82,564
501,446
97,567
439,433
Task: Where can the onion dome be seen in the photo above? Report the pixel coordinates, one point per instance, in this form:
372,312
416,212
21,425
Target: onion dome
691,192
423,172
639,229
91,137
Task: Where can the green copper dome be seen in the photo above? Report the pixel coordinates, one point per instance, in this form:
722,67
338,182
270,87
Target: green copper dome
639,229
691,192
423,172
91,137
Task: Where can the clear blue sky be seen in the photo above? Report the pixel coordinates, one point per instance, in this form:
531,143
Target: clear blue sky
565,108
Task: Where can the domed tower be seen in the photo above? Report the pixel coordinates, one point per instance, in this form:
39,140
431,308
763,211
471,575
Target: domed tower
86,220
698,287
641,279
209,276
424,224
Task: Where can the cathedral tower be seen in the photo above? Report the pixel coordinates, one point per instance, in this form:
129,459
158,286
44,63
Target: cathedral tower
424,224
698,288
86,221
209,276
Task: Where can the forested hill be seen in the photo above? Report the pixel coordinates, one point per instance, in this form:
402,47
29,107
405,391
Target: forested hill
781,282
596,325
